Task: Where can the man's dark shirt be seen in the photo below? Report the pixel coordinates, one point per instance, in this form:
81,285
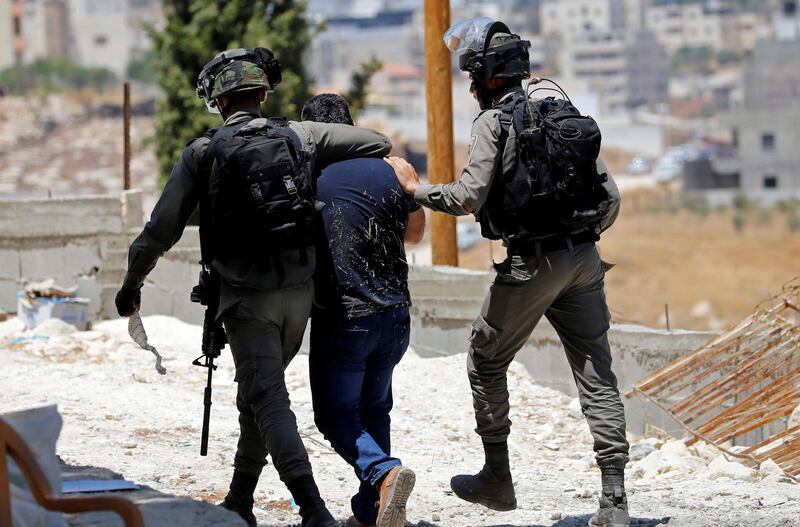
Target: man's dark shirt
364,219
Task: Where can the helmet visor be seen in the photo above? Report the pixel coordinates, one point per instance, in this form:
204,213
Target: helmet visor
467,34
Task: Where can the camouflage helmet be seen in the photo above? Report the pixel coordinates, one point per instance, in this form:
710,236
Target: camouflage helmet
237,70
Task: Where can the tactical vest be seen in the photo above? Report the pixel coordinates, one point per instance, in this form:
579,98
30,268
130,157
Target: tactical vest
260,198
554,187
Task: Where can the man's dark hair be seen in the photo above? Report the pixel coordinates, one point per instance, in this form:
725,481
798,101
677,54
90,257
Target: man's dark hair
327,108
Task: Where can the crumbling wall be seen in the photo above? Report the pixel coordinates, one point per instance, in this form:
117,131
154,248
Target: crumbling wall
83,241
446,301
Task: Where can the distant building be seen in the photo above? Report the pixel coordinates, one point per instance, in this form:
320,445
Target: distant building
764,161
347,42
624,71
715,24
572,18
6,34
92,33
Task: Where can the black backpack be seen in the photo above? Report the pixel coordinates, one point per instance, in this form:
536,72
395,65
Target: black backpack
555,187
260,196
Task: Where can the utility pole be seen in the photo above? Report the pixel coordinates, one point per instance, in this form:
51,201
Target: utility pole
439,86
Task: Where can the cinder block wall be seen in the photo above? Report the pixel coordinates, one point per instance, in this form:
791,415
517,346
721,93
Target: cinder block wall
447,300
83,241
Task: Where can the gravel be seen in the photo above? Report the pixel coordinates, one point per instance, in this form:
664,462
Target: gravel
120,414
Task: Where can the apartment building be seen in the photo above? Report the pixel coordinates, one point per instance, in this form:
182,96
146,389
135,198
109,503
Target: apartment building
713,24
571,18
625,70
347,42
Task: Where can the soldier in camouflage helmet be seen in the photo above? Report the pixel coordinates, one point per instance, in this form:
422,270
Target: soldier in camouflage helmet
264,308
239,76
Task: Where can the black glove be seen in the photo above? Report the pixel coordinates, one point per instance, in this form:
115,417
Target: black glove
128,301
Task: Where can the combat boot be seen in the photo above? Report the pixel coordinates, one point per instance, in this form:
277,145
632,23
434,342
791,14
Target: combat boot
312,509
492,486
240,496
613,511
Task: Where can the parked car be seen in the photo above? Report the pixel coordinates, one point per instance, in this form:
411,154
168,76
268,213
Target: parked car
639,166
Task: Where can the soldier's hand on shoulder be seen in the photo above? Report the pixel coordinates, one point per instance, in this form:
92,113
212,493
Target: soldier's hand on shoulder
128,301
405,172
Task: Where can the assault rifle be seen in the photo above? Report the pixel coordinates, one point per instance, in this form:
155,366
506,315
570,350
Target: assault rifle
206,293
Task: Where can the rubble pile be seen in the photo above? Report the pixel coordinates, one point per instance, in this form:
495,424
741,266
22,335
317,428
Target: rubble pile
120,414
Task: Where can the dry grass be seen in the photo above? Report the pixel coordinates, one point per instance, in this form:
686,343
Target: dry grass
709,274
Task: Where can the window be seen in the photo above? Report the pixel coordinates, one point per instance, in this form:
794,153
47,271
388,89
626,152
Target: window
100,40
770,181
768,142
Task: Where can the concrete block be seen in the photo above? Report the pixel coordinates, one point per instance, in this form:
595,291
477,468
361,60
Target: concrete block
108,310
8,295
156,301
113,243
43,263
81,259
9,264
60,217
174,275
132,209
89,288
186,310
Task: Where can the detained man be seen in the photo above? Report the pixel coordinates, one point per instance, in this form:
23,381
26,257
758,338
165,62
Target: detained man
360,322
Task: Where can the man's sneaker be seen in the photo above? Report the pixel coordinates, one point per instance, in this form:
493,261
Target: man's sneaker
613,512
395,489
243,510
353,522
486,491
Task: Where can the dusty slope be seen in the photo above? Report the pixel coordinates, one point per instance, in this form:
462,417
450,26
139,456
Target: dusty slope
120,414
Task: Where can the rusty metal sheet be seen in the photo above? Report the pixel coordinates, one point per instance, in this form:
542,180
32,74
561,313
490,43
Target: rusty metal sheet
746,379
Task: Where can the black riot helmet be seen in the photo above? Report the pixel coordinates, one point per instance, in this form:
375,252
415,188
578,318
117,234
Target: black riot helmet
489,49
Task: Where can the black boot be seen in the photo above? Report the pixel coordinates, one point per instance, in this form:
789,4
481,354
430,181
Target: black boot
240,496
312,509
613,509
492,486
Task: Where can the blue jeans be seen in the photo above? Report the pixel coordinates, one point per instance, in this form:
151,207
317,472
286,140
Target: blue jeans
351,363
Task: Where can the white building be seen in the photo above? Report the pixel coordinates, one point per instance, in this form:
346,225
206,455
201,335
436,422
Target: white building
572,18
92,33
712,24
625,71
103,33
6,34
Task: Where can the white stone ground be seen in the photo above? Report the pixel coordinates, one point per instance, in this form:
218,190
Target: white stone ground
120,414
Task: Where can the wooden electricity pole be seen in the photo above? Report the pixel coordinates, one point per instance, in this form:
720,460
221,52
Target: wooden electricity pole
438,81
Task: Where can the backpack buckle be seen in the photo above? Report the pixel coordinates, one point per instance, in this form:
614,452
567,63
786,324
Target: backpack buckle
291,188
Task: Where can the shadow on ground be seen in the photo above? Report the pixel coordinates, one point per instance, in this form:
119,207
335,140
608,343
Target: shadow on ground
570,521
158,509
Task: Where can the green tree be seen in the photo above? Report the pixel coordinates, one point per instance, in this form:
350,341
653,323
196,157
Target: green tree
359,85
52,76
145,68
194,32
